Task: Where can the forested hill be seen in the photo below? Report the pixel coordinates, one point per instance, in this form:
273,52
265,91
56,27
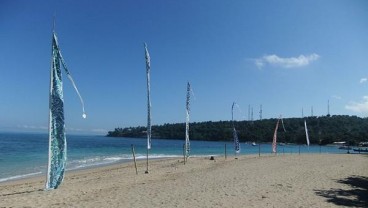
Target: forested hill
322,130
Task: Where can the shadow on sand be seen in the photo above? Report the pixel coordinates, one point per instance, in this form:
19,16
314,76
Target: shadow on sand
355,196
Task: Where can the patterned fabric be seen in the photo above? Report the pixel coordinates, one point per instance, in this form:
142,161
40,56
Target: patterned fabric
306,132
274,141
235,135
236,141
148,70
187,143
57,139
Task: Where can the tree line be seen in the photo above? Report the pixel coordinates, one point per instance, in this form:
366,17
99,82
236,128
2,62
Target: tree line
322,130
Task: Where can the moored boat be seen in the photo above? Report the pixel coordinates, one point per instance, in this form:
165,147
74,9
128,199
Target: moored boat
360,150
344,147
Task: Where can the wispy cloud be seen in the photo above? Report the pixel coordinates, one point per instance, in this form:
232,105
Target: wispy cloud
32,127
359,107
104,131
291,62
362,80
73,129
337,97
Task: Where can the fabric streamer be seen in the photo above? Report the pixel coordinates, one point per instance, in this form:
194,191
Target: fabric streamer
57,138
187,143
84,115
235,135
148,70
282,122
306,132
274,141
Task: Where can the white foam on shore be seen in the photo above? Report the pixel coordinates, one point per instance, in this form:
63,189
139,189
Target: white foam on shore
101,160
94,162
19,177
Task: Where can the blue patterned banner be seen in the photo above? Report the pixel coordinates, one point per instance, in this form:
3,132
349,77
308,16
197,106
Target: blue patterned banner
187,143
235,135
57,138
148,70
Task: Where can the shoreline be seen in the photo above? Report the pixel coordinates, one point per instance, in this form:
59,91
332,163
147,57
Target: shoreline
73,170
130,160
308,180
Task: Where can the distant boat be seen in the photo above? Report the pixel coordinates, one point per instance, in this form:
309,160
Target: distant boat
339,143
254,144
361,150
344,147
363,144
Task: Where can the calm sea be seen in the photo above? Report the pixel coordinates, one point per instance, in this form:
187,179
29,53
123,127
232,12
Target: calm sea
24,154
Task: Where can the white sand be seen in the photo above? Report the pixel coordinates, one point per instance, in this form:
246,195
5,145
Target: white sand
318,180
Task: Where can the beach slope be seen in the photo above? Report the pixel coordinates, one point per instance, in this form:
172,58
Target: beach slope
310,180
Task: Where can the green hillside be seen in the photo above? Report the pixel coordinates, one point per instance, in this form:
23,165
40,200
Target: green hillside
322,130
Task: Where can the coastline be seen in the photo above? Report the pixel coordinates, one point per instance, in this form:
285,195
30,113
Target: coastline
307,180
18,160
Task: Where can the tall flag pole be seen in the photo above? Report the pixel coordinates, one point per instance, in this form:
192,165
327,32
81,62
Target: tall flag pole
57,138
235,135
148,70
187,143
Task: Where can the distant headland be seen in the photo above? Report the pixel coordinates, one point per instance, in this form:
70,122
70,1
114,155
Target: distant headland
322,130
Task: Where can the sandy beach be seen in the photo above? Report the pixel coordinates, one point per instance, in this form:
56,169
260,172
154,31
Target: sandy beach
310,180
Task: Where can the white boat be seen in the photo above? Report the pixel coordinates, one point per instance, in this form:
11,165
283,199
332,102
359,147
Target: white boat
345,147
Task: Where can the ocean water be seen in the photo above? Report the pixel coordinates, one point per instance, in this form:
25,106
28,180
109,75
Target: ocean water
26,154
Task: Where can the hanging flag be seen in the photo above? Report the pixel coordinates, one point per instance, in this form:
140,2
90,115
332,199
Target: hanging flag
57,138
274,142
282,122
187,143
306,132
236,141
148,71
235,135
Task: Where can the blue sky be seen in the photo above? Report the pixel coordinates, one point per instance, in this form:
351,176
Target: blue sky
285,55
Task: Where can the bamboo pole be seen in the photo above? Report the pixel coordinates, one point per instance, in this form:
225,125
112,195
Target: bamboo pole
135,162
259,150
147,162
225,153
184,153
